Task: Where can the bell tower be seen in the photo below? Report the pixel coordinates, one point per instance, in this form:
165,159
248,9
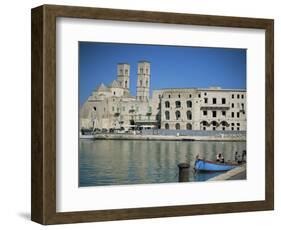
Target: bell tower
143,83
123,74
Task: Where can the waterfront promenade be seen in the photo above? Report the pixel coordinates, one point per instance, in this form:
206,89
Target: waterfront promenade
159,137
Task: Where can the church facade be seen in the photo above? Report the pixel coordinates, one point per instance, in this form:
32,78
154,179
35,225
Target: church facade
113,106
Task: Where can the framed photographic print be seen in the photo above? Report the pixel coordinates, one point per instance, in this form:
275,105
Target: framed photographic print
141,114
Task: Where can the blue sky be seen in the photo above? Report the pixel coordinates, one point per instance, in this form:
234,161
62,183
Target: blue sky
171,66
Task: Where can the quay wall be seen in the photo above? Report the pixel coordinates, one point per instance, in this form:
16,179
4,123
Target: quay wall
217,137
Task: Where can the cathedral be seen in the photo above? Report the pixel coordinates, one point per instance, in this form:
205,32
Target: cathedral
112,106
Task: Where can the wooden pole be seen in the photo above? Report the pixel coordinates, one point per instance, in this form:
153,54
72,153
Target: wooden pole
183,172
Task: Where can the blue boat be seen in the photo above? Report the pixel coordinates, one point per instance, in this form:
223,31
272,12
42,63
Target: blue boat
211,166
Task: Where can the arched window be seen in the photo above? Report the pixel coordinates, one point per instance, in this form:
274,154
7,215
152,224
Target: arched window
167,104
167,115
205,123
189,115
188,126
178,104
126,84
167,126
224,123
178,115
189,104
178,126
214,123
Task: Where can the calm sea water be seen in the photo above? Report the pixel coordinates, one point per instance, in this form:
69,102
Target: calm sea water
116,162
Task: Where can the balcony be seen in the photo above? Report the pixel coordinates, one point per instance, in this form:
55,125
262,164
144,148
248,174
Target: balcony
215,107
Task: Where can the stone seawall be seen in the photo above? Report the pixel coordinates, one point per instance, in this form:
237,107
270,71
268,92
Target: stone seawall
168,138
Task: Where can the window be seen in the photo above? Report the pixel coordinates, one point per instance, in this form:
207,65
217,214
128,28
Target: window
204,128
232,114
238,114
232,105
238,128
224,123
188,126
189,115
140,82
206,100
167,104
238,124
179,96
178,126
178,115
238,96
114,93
232,96
223,113
146,71
232,128
214,113
199,95
214,128
232,124
242,105
205,94
146,83
223,101
205,123
190,96
126,71
149,109
167,115
223,128
126,84
242,96
121,71
214,100
169,96
178,104
166,126
141,70
95,108
139,117
189,104
112,108
205,112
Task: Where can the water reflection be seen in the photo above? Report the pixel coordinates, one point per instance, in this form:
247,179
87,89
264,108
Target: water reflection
111,162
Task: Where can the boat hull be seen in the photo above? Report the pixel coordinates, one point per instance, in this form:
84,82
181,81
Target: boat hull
209,166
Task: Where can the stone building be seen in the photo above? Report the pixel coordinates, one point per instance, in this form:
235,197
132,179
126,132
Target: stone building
113,107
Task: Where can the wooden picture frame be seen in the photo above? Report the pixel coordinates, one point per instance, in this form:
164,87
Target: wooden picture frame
43,208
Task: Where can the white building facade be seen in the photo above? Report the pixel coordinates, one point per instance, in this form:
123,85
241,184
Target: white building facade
113,107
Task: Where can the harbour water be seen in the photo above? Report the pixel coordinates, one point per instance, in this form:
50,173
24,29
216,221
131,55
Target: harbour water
120,162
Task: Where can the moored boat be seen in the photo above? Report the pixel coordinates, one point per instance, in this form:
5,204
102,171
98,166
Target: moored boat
212,166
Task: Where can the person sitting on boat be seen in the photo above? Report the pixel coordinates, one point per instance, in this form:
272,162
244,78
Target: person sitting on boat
222,159
218,157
